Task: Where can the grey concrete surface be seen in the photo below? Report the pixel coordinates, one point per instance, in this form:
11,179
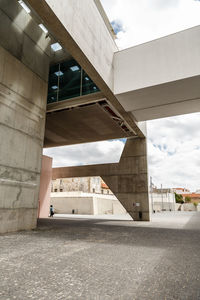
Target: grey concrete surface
22,120
92,124
127,179
103,259
160,78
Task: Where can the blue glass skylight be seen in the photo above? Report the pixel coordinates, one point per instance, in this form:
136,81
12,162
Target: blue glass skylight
74,68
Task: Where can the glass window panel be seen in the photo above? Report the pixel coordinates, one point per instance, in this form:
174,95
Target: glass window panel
69,82
88,86
65,82
53,84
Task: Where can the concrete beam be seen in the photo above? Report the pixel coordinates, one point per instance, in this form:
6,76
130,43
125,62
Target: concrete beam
87,39
78,101
160,78
127,179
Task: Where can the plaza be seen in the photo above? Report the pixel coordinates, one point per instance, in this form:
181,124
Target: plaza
91,258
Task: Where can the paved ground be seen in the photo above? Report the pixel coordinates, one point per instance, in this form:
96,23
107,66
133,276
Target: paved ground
102,260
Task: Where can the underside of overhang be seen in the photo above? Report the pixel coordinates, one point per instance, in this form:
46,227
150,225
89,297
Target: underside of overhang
85,123
71,48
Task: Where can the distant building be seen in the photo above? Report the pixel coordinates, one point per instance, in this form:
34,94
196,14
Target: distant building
93,185
163,199
86,195
193,196
181,191
86,203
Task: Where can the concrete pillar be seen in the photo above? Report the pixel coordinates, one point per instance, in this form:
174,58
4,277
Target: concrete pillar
22,120
45,187
130,185
127,179
24,67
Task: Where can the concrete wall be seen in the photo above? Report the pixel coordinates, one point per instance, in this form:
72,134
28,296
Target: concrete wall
85,24
187,207
24,67
170,58
108,206
86,203
65,205
164,206
45,187
82,184
163,72
23,38
22,119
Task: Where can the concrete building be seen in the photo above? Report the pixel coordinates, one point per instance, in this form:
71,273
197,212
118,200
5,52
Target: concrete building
86,195
93,185
64,52
83,203
163,200
181,191
194,197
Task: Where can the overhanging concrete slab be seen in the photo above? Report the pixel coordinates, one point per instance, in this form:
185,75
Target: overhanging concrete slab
74,102
81,30
160,78
83,124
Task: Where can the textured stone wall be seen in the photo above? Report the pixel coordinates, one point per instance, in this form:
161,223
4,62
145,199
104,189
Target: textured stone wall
82,184
22,120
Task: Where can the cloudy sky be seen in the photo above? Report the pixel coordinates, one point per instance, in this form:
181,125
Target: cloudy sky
174,151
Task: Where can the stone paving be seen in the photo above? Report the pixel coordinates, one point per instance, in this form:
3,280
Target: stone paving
102,260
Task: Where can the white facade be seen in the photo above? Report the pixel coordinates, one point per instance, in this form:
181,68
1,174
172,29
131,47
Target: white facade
86,204
163,201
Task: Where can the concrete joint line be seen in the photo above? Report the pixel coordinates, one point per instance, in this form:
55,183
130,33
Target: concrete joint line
170,103
24,133
20,169
23,32
21,183
6,93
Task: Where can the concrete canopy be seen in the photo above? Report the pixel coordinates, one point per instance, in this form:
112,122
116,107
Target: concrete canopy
83,124
89,40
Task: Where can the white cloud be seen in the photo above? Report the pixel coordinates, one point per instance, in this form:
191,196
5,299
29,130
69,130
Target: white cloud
84,154
174,148
146,20
173,152
174,143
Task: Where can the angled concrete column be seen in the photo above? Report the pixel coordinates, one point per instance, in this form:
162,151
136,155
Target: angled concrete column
130,185
127,179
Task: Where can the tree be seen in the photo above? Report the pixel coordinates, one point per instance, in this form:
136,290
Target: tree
179,198
187,199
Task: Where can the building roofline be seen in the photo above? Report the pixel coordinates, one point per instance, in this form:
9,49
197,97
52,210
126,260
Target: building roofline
105,18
